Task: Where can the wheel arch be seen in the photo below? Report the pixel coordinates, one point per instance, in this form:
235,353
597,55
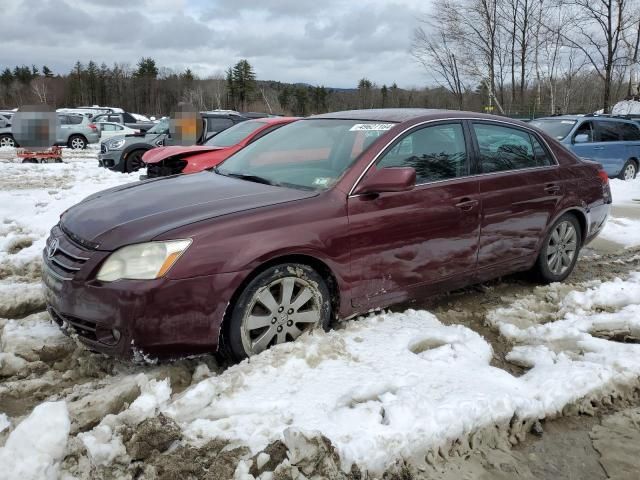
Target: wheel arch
580,215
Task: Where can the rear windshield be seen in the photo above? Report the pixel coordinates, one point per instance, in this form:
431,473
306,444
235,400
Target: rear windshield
557,128
234,134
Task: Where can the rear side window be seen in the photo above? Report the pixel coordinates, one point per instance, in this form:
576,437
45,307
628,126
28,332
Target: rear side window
505,148
629,132
73,119
436,153
608,131
218,124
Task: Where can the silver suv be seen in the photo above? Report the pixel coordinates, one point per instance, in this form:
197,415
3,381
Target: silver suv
73,131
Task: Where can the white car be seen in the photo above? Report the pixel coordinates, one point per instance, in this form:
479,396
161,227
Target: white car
111,129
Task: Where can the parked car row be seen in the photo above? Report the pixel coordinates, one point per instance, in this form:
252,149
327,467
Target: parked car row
322,218
72,130
124,153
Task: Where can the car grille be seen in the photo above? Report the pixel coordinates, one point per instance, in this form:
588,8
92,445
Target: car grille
170,166
103,148
85,329
62,257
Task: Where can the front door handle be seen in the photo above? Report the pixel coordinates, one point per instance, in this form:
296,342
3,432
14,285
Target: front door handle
598,148
552,188
466,204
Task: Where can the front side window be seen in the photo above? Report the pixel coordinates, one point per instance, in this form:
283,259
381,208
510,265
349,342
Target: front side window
506,148
161,127
436,153
584,129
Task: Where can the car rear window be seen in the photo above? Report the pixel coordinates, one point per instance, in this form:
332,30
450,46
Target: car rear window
74,119
235,134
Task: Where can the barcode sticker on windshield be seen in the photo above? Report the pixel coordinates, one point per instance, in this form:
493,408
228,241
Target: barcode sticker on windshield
365,127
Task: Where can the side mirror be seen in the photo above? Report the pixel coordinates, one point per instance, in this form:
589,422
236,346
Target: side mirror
389,179
582,138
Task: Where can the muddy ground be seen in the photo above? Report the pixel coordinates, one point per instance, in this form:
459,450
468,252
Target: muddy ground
586,443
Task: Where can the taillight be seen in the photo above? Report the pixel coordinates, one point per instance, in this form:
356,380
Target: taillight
92,126
603,176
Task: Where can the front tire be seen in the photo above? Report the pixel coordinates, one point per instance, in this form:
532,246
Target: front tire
277,306
629,171
134,161
77,142
560,250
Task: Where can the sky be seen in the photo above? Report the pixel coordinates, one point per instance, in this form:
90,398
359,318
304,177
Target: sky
328,42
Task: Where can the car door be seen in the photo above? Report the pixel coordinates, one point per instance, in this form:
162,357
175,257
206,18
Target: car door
520,190
401,241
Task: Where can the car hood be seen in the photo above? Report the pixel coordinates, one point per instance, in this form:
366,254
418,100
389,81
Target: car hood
139,212
161,153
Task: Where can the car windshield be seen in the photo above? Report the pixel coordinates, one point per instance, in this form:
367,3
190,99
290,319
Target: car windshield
161,127
234,134
557,128
308,154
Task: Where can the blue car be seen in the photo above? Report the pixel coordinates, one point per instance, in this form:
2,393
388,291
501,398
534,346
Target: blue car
612,142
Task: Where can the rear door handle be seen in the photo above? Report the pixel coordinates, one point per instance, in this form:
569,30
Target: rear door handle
552,188
598,148
467,204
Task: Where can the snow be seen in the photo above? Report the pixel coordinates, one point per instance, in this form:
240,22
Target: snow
4,422
626,107
625,192
36,446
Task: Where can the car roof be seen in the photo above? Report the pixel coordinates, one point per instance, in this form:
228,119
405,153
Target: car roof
605,118
407,114
273,120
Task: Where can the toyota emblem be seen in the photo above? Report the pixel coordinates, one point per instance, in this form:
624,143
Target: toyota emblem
52,248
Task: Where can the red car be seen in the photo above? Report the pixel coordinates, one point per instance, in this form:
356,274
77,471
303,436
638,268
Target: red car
163,161
327,217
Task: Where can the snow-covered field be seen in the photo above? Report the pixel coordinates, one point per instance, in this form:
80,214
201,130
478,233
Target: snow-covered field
394,387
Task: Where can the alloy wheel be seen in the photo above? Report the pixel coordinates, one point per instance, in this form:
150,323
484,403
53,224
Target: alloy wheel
561,247
280,312
7,142
77,143
630,171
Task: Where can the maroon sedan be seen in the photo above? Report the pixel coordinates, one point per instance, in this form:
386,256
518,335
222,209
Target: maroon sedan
325,218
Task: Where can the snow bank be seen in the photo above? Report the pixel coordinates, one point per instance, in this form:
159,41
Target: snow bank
566,341
391,386
36,446
625,192
626,107
623,231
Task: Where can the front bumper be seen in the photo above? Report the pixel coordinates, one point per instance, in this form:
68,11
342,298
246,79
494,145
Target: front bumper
161,318
111,159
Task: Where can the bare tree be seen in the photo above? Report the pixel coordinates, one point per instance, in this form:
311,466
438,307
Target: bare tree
437,56
599,29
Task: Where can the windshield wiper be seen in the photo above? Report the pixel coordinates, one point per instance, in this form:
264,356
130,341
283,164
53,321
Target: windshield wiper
246,176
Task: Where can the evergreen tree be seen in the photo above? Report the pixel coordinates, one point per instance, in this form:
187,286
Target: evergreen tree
47,72
244,82
384,93
6,78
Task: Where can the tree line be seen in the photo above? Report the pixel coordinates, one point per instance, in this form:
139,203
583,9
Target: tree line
556,56
151,89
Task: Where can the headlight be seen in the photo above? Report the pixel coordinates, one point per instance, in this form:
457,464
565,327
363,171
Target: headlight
143,261
115,144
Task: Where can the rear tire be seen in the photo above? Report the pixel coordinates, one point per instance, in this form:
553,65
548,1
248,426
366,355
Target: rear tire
560,250
77,142
277,306
629,171
134,161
